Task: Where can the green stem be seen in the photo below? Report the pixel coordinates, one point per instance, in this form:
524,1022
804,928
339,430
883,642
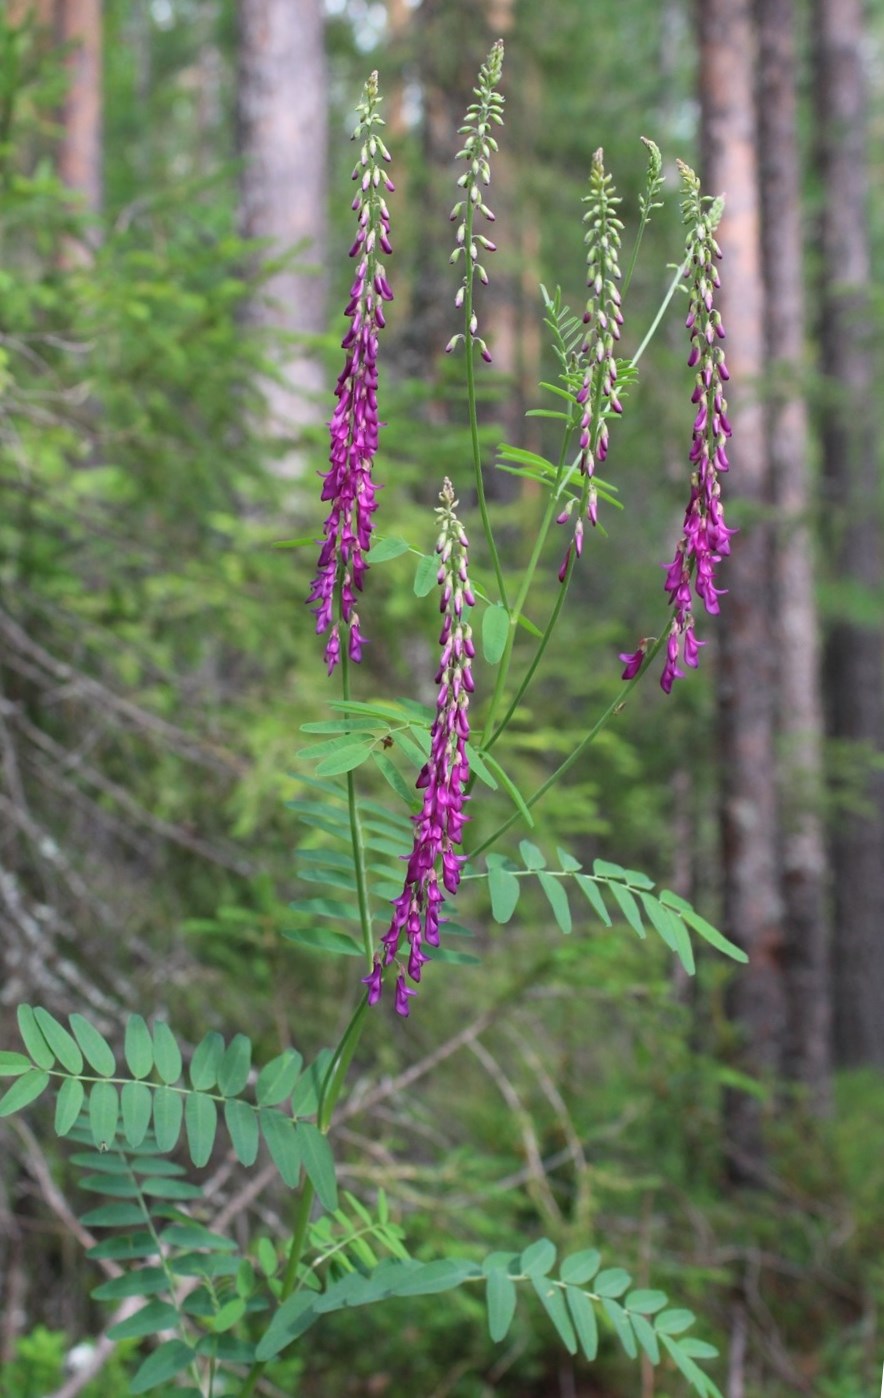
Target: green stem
473,412
356,836
538,656
613,708
336,1072
673,285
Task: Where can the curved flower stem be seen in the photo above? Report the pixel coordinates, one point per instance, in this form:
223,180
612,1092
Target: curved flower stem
473,412
673,286
524,588
613,708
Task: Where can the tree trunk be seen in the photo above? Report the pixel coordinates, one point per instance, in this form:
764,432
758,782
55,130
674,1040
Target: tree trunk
79,156
855,649
283,140
752,912
799,716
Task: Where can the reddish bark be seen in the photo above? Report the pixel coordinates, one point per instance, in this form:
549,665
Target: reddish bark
799,716
752,907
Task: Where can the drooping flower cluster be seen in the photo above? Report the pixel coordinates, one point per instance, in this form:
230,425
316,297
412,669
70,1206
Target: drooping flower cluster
443,778
348,484
705,537
603,318
477,150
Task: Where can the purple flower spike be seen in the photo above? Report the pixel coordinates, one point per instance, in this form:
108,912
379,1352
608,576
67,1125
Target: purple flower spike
705,537
443,778
354,425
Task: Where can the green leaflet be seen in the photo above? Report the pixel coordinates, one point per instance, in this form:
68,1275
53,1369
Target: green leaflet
138,1047
62,1044
500,1298
96,1049
24,1091
201,1123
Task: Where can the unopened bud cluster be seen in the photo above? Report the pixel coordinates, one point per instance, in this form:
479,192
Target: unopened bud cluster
443,778
603,319
478,147
348,484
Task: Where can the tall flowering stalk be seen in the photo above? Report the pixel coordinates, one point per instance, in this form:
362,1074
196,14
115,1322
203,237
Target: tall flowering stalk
603,318
482,115
705,537
443,778
348,484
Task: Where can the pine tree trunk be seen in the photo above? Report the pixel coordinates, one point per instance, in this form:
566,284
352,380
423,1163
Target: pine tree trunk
282,120
79,156
799,716
855,651
752,910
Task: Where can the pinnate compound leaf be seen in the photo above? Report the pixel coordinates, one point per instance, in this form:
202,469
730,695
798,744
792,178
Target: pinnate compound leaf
12,1065
206,1060
538,1258
168,1111
612,1282
283,1143
136,1100
580,1267
165,1362
96,1049
32,1038
24,1091
166,1053
500,1296
233,1071
152,1318
557,899
62,1044
104,1112
242,1124
584,1320
68,1105
553,1301
201,1123
318,1160
620,1321
138,1047
276,1080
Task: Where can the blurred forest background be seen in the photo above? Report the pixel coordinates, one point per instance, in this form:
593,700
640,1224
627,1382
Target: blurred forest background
174,225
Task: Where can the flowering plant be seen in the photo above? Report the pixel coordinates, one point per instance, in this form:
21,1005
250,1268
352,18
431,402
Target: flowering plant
227,1311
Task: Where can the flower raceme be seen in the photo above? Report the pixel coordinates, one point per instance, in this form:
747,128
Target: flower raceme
477,149
603,319
348,483
705,537
443,778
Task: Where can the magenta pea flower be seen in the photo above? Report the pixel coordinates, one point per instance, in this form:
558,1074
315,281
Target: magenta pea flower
348,484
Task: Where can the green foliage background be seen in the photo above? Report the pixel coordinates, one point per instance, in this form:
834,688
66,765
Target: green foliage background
136,553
